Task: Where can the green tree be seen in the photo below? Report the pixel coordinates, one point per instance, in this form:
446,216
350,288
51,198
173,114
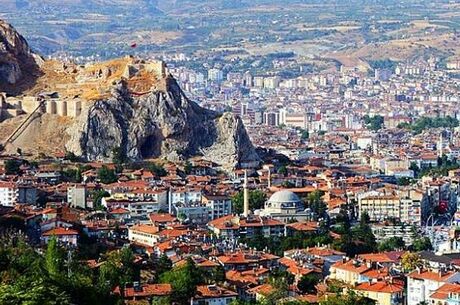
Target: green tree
54,259
97,196
183,280
282,170
163,265
410,261
188,168
70,156
373,123
106,175
316,203
118,270
256,201
405,181
391,244
351,298
422,244
157,169
357,240
304,135
12,167
308,282
119,156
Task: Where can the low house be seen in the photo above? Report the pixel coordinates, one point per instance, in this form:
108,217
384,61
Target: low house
213,294
65,236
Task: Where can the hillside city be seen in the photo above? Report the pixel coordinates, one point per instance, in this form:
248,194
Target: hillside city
354,198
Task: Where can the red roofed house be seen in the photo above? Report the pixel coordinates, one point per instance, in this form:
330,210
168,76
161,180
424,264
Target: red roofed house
446,294
422,283
214,295
383,292
63,235
146,291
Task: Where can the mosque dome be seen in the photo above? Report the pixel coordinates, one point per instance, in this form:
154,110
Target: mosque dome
284,196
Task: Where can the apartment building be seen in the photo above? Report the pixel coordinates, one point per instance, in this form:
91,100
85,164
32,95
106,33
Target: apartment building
9,193
422,284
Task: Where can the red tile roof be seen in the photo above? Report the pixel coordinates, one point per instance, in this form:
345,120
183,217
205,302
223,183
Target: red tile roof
60,232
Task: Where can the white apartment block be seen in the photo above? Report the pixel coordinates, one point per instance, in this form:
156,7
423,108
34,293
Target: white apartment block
421,284
9,194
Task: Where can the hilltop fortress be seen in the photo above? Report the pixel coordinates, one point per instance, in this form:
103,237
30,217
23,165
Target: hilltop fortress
77,87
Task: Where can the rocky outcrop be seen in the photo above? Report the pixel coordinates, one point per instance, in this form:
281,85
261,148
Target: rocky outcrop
163,123
16,58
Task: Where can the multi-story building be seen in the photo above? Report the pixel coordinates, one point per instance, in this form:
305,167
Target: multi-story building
76,196
406,205
421,284
144,234
218,205
9,193
196,212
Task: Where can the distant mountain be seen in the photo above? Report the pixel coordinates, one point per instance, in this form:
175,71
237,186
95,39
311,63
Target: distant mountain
11,5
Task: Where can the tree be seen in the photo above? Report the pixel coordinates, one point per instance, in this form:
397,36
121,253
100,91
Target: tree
107,175
183,280
164,264
422,244
304,135
118,270
391,244
119,156
282,170
316,203
12,167
97,196
70,156
373,123
157,170
29,277
358,239
188,168
54,258
404,181
256,201
410,261
307,283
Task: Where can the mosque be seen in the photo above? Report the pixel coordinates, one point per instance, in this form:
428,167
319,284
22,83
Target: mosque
283,205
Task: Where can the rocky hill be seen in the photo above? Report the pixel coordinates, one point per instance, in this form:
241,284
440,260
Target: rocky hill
126,103
17,61
160,124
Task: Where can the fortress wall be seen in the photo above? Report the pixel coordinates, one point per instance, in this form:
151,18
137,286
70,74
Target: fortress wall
157,66
51,107
74,108
61,107
29,104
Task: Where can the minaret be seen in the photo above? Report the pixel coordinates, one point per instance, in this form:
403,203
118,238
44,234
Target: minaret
440,145
269,178
245,195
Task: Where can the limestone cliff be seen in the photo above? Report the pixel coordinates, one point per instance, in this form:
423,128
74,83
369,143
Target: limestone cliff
17,61
163,123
